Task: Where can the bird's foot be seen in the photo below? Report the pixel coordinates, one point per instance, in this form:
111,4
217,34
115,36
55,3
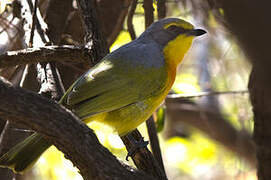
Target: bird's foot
136,145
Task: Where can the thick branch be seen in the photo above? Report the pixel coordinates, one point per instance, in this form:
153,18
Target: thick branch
94,38
44,54
65,131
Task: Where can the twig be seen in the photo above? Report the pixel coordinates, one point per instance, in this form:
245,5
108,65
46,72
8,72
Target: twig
148,12
155,145
34,21
161,8
202,94
131,13
119,24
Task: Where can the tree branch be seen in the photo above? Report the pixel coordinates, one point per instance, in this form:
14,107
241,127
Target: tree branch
45,54
155,145
148,12
121,11
131,13
203,94
94,37
161,8
143,158
65,131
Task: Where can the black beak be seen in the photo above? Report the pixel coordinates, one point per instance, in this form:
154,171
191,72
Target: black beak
196,32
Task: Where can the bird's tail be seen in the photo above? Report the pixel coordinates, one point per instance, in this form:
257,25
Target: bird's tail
24,155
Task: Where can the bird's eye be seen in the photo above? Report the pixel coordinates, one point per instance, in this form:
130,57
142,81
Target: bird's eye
176,29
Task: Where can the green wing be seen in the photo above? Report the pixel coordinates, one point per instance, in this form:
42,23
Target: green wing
113,84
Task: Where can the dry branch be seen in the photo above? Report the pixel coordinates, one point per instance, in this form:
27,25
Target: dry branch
94,37
65,131
161,8
130,16
148,12
154,141
44,54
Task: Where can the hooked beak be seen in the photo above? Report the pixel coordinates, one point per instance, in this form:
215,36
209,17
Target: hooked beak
196,32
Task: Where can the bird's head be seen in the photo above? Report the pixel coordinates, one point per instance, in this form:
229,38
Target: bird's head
175,37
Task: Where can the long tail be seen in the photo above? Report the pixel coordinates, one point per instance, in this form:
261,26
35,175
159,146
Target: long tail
24,155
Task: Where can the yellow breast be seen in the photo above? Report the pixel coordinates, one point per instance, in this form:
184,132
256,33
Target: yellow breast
126,119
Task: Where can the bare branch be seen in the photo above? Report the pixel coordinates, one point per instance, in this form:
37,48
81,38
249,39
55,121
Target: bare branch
34,21
44,54
119,23
131,13
155,145
148,12
65,131
161,8
202,94
94,37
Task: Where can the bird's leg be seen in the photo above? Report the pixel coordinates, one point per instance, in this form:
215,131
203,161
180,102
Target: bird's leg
135,144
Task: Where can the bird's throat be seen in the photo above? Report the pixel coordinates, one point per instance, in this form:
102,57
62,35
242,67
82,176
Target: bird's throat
175,50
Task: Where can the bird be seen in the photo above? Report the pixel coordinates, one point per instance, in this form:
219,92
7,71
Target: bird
123,89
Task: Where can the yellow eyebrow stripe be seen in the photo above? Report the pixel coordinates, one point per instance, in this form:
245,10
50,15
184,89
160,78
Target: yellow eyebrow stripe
180,24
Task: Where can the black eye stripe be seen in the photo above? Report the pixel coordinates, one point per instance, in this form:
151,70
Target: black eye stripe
176,29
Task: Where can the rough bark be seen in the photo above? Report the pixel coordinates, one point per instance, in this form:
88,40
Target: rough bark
65,131
142,157
94,36
45,54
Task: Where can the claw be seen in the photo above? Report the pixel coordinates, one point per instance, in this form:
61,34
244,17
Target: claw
136,145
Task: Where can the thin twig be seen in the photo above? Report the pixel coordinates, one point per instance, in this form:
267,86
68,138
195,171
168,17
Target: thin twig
161,8
155,145
148,12
131,13
34,21
119,24
202,94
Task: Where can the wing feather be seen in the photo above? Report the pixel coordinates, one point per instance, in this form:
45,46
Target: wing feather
114,83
